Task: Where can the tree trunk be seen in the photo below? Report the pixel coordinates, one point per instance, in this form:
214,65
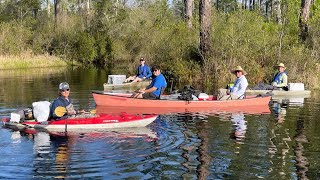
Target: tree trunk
267,7
277,9
79,7
56,11
251,5
304,17
48,8
189,8
205,27
271,7
88,7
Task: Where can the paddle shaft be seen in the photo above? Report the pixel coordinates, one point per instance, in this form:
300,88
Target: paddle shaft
66,125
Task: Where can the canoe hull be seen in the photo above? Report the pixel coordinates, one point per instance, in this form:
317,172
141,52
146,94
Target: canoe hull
118,100
100,122
279,93
256,110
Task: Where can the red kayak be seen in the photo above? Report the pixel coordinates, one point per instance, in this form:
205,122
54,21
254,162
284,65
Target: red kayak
102,121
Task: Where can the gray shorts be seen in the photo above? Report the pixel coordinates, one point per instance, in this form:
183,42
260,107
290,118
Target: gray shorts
149,95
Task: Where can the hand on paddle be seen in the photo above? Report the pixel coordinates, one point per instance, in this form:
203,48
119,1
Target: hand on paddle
81,111
138,92
228,92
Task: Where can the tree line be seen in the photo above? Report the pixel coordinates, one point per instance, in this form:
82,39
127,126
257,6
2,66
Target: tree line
200,41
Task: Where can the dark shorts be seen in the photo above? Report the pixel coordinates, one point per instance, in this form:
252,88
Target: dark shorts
149,95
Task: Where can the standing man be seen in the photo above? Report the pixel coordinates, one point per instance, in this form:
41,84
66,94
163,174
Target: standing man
239,88
143,72
156,87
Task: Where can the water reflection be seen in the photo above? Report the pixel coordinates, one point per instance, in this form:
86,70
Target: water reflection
203,169
283,143
302,163
239,127
59,155
280,111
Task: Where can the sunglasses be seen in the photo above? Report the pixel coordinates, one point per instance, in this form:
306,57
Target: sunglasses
155,70
65,90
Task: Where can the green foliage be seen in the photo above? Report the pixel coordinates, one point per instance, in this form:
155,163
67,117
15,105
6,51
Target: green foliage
114,37
245,38
83,48
14,38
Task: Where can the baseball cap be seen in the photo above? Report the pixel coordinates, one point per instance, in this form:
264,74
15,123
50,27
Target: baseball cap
64,86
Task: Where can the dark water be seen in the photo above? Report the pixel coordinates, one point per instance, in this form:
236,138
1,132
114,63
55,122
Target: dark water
284,144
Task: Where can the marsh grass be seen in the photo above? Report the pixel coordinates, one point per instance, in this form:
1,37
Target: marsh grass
28,60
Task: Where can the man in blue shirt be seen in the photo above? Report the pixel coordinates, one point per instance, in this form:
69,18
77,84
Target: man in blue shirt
143,72
62,108
156,87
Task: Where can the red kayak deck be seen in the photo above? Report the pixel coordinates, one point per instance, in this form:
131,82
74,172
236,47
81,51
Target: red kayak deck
103,121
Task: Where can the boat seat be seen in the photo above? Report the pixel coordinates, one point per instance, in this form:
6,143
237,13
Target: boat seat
243,96
161,92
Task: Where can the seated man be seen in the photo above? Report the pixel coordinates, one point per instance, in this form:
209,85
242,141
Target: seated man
239,88
280,80
157,85
143,73
62,108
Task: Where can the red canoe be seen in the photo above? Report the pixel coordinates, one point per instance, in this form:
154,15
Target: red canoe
124,100
255,110
103,121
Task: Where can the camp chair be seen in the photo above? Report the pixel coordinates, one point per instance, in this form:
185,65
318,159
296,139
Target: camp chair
243,96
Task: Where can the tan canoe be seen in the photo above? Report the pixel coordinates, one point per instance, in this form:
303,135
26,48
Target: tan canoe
141,84
279,93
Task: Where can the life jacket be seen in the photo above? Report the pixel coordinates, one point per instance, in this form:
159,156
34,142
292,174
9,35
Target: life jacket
277,78
229,86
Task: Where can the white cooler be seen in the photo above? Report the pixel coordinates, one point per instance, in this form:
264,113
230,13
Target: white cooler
116,79
296,86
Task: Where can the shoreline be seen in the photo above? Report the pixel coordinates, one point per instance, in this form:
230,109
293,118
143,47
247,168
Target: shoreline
26,61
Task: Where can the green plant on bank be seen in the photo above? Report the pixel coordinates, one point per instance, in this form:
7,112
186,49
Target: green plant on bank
115,39
25,61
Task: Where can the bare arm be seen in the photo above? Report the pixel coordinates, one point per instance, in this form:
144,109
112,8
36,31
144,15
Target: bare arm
149,90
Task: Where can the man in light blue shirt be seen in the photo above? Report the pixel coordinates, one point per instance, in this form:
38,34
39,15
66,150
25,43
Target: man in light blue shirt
239,88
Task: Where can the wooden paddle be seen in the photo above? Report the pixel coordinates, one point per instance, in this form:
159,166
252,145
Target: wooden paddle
60,111
93,111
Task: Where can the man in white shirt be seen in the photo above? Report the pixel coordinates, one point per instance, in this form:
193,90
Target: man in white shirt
239,88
